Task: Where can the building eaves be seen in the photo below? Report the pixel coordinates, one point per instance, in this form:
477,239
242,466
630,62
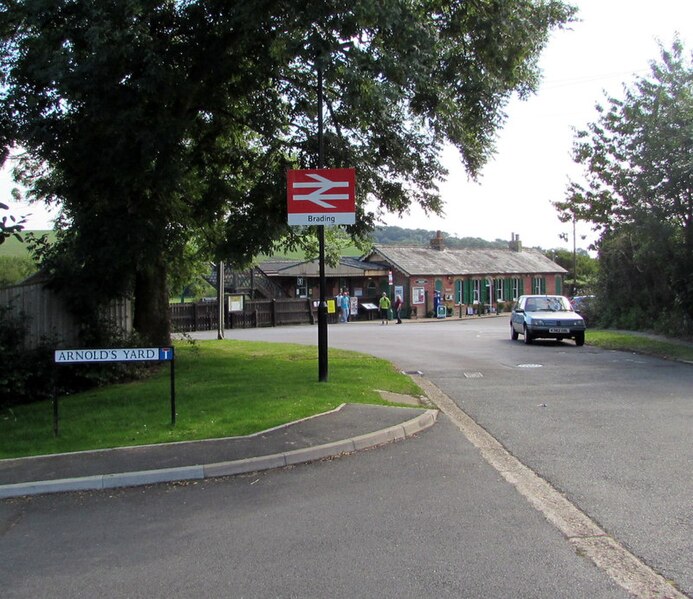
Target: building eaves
378,252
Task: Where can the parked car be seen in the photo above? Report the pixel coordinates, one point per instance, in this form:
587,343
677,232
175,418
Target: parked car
546,317
580,301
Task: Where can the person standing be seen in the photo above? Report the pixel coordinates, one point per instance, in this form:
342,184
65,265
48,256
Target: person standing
344,302
398,309
384,305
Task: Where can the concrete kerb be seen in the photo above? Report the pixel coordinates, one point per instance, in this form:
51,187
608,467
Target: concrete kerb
242,466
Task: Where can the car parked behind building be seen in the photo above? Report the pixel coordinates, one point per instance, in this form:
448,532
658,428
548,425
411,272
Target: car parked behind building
546,317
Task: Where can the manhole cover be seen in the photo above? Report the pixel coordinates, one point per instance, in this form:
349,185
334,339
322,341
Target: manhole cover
473,375
529,365
412,372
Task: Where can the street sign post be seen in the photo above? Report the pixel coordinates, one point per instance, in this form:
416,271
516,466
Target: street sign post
123,354
325,196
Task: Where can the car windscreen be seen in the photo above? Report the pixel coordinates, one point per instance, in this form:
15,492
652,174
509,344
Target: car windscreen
546,304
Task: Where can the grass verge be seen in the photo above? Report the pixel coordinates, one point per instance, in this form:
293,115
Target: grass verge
223,388
640,343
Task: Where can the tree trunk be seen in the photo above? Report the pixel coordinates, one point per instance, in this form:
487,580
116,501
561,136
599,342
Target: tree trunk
151,317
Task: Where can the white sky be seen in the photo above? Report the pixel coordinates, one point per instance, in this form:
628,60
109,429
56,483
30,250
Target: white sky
614,41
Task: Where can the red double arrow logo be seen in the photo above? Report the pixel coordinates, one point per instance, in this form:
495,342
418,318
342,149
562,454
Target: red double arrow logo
321,196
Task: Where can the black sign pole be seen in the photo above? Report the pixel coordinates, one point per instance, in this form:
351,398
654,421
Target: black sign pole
173,391
322,307
55,412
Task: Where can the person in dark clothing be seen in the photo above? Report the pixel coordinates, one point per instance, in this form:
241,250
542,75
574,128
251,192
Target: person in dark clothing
398,309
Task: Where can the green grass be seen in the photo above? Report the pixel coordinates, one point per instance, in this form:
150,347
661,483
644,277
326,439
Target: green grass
223,388
640,343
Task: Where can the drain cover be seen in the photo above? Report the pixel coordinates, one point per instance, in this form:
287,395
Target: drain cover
529,365
412,372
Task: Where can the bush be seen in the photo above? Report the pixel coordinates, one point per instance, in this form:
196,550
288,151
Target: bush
24,374
14,269
28,375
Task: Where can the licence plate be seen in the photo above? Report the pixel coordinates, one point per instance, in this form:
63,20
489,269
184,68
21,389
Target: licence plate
559,330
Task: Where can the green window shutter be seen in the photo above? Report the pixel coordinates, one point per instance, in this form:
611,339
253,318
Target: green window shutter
467,291
508,289
483,292
559,285
439,285
458,291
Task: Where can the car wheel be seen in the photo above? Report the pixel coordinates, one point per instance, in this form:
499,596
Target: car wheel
528,337
513,333
579,339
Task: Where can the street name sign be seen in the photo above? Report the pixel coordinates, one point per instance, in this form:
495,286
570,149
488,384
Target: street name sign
325,196
135,354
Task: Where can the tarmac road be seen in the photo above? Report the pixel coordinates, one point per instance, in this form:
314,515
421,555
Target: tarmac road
425,517
610,430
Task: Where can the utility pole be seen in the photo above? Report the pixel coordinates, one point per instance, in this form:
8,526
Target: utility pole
574,259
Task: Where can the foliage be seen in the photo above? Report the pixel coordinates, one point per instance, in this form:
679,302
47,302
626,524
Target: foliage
29,375
11,228
24,374
422,237
303,242
639,193
155,122
14,269
587,268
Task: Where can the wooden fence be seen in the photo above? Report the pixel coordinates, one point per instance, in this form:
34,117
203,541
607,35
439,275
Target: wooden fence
204,316
47,317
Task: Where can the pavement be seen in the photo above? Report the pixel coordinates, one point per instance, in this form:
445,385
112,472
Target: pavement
348,428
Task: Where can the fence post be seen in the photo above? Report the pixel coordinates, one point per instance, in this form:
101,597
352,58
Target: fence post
274,312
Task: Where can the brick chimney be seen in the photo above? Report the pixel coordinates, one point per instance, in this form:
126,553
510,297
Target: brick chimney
438,243
515,244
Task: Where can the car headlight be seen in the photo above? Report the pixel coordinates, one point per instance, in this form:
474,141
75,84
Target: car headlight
538,322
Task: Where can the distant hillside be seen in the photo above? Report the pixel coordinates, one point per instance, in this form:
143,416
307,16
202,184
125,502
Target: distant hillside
422,237
381,236
13,247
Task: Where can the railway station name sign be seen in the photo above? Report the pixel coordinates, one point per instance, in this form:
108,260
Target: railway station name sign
321,196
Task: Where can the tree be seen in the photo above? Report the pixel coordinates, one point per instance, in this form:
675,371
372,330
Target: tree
586,266
639,190
156,121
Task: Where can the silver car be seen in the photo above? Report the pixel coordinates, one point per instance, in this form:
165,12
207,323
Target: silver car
546,317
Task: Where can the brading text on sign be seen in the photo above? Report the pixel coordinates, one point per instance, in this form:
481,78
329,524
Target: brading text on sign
324,196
